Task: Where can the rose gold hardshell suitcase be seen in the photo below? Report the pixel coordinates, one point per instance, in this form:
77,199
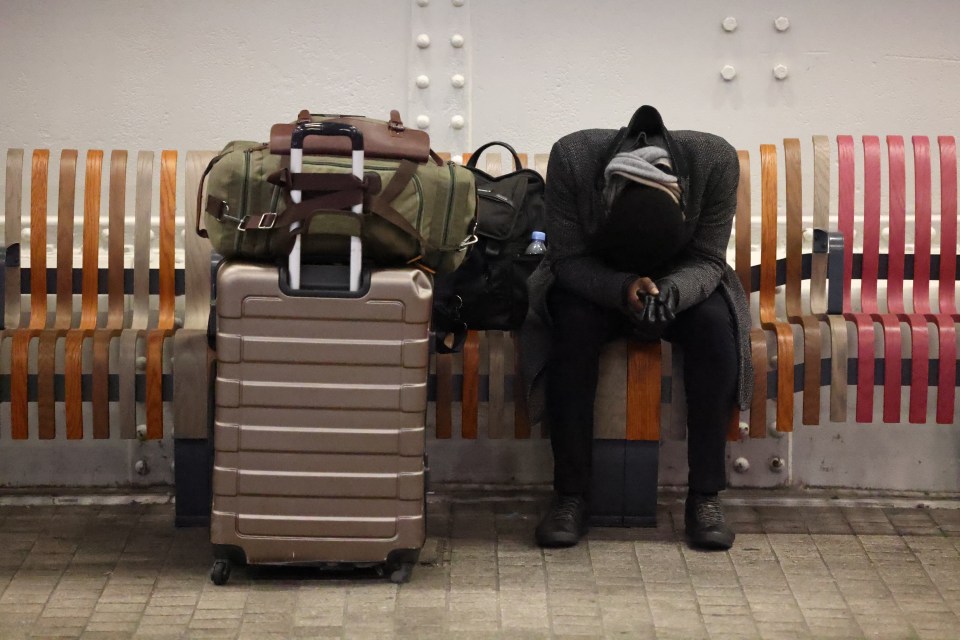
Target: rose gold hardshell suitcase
319,425
321,399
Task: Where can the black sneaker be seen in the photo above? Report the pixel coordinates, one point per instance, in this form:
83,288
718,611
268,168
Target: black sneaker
706,526
564,523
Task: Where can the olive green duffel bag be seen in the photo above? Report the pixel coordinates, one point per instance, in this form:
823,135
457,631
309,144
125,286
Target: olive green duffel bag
413,213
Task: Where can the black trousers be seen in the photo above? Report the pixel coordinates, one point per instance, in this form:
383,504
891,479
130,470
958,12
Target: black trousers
705,332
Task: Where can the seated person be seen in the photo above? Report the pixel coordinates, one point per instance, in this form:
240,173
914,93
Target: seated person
638,222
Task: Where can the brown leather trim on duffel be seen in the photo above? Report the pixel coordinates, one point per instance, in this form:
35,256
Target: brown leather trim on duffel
380,140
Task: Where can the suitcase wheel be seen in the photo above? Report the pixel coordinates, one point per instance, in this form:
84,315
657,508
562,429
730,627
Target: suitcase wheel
401,574
220,572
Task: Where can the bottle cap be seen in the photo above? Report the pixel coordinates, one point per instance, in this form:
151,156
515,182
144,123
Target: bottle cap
538,235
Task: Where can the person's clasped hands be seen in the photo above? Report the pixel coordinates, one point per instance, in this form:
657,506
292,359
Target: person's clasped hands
651,306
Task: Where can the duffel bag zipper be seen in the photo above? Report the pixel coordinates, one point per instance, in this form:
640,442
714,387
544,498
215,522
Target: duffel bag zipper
453,189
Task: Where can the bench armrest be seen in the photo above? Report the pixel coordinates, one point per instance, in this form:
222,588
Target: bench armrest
831,243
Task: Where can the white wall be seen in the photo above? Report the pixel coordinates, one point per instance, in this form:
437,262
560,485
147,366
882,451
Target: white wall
188,74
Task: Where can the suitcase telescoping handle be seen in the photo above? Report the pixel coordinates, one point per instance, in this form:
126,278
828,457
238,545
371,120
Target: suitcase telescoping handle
300,133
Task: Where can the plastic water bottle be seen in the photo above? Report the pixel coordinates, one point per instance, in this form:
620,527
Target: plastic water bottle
536,246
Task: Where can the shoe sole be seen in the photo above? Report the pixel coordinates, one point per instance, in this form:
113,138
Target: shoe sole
711,542
561,541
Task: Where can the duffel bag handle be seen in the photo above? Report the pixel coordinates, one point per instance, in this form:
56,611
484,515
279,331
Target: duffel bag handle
395,123
472,162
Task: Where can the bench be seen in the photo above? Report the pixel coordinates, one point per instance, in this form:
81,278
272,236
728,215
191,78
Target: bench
158,317
802,299
134,359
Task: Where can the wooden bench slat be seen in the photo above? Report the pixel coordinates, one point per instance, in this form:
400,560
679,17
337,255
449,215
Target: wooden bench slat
192,356
758,340
20,349
115,296
496,343
948,224
818,282
73,362
127,404
919,335
470,397
863,322
12,204
444,395
948,268
165,322
768,262
521,417
889,323
643,390
945,323
810,413
47,344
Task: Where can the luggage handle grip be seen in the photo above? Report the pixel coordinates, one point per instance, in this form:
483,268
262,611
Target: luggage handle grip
306,129
302,131
472,162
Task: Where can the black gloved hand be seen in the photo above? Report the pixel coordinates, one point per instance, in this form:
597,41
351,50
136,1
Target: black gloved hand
658,312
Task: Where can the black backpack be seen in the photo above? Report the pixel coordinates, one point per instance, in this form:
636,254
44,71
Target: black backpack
489,290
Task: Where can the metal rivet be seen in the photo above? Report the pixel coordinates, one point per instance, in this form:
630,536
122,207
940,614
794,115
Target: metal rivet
141,467
422,3
458,3
885,233
777,464
423,41
744,429
141,431
729,24
773,358
728,72
458,159
933,232
782,23
780,71
741,465
457,122
423,121
105,233
25,232
808,234
141,363
456,40
779,289
423,81
458,81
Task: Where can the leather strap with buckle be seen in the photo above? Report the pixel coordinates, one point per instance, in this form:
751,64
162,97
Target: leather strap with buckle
258,221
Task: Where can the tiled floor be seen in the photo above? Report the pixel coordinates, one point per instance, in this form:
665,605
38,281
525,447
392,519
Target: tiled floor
795,572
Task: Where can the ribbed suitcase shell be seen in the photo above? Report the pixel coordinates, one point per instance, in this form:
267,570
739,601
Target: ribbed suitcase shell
320,415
